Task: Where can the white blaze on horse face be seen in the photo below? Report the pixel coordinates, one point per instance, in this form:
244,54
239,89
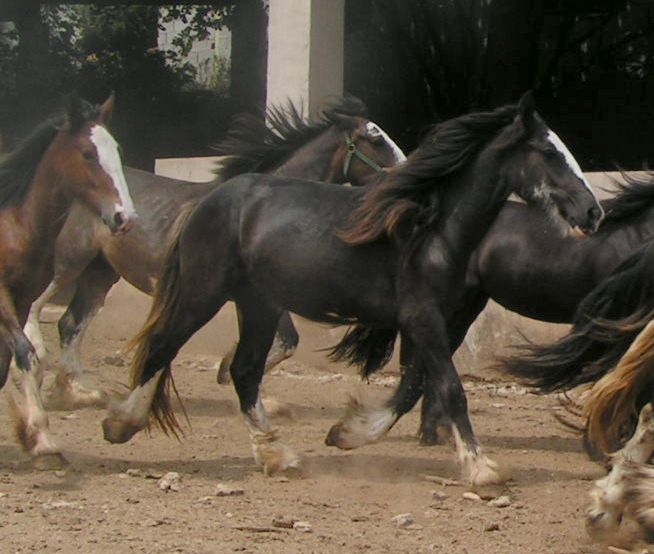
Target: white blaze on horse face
375,130
569,158
109,159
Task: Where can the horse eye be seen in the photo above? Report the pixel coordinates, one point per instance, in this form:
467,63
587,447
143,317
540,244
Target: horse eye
88,155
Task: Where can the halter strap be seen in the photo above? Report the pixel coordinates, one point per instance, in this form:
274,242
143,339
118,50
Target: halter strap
352,151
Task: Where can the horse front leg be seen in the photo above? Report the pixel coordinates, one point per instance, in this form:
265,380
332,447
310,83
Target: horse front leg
69,390
31,420
442,385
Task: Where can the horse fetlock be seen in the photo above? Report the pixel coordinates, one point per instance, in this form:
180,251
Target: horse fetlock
481,471
118,431
68,393
274,456
361,425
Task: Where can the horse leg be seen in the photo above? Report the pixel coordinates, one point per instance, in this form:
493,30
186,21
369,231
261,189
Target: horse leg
93,284
431,415
258,330
366,423
25,404
168,328
283,347
32,328
610,495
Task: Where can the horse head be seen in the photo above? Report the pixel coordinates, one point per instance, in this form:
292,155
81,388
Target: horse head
542,170
367,149
90,168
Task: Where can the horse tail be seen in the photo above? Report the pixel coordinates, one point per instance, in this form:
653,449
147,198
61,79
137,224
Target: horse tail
150,353
613,400
369,348
605,324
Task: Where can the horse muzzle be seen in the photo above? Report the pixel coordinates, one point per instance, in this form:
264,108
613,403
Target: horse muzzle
119,222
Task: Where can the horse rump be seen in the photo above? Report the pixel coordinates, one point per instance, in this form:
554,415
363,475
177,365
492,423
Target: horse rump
367,347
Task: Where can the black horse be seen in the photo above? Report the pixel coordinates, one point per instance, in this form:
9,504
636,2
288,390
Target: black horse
387,259
528,265
605,328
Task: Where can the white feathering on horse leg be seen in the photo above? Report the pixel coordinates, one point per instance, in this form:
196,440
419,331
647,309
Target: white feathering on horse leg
31,420
608,495
269,452
132,415
476,468
363,423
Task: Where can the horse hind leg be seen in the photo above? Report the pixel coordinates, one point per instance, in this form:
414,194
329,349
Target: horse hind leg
69,391
283,347
259,321
623,489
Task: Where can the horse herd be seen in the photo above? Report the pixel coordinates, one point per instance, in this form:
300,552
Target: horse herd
414,248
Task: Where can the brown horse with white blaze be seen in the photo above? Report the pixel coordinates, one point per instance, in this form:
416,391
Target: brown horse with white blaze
66,159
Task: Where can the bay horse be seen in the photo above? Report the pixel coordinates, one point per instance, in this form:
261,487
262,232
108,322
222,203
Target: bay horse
387,259
66,159
340,145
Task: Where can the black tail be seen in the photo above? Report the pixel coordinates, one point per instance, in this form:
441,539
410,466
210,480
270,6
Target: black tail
369,348
605,324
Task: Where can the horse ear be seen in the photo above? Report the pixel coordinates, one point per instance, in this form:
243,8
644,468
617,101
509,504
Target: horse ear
526,108
106,110
75,112
345,122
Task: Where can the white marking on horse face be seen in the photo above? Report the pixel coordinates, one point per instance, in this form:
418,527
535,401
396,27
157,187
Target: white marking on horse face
556,141
375,130
109,159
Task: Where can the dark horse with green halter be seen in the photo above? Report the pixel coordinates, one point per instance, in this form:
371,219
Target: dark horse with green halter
388,259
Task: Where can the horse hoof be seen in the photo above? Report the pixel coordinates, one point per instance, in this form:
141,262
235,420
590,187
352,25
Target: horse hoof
51,461
429,439
333,438
117,431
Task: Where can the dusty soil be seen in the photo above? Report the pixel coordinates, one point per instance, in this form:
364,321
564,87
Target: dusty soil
347,498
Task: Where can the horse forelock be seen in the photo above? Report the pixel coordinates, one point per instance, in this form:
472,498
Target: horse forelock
261,143
412,191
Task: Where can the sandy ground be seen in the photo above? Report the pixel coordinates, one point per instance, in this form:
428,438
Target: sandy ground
109,500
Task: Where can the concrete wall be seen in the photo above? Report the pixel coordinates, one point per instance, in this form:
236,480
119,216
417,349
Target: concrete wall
305,52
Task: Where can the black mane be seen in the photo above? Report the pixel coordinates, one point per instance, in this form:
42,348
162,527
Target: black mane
17,168
411,192
634,195
254,146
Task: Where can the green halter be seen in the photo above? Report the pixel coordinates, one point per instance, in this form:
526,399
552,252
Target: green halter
352,151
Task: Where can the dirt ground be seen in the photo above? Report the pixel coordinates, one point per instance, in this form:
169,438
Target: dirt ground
109,501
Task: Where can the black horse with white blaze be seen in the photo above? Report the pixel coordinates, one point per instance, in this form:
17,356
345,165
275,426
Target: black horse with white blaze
389,259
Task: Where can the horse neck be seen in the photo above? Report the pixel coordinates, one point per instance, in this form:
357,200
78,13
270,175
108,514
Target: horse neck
45,207
473,203
313,161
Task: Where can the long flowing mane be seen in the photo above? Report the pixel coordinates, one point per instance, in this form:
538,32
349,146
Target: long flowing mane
634,195
252,145
412,193
17,168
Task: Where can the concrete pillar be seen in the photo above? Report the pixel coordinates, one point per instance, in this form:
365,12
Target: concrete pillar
305,52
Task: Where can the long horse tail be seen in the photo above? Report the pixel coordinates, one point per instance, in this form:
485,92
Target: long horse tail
613,403
604,326
149,342
369,348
